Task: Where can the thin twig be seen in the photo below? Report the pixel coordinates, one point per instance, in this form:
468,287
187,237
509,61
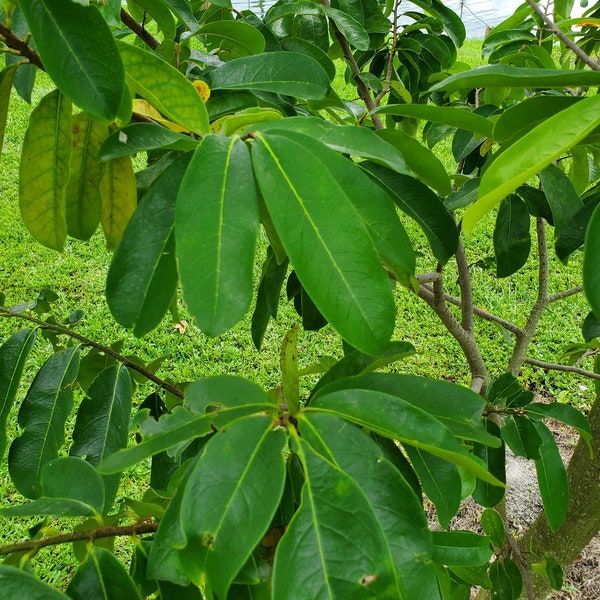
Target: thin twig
6,312
565,368
571,292
390,63
22,47
139,30
588,60
80,536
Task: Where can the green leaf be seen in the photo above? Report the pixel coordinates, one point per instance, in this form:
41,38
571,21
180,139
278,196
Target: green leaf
451,116
165,88
458,408
398,510
15,583
419,159
564,414
422,205
45,169
70,37
233,38
142,137
591,262
307,213
288,362
287,73
517,77
534,151
441,482
42,417
226,512
552,479
13,354
119,199
507,581
495,460
460,548
493,526
142,278
58,507
103,421
512,241
563,199
590,329
397,419
521,436
104,574
7,77
335,519
83,199
216,226
572,235
302,46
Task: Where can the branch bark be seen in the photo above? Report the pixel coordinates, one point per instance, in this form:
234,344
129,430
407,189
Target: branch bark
139,30
21,46
564,368
79,536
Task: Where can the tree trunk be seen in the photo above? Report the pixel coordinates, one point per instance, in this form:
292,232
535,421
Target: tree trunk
582,522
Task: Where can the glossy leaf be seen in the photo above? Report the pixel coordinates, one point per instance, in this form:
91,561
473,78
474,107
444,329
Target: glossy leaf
286,73
119,199
7,76
590,328
69,37
507,582
82,194
142,137
42,417
45,506
142,278
358,300
521,436
460,548
216,226
419,159
572,235
562,198
233,38
518,77
441,482
512,241
495,460
493,525
45,169
591,262
421,204
452,116
165,88
397,419
564,414
105,575
334,514
224,514
398,510
534,151
13,354
15,583
552,479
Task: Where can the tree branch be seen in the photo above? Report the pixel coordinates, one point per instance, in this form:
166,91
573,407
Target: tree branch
564,368
22,47
79,536
588,60
6,312
576,290
466,289
139,30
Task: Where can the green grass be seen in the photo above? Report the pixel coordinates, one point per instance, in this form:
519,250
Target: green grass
78,277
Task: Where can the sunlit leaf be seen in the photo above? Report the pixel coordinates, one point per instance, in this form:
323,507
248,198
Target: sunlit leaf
16,583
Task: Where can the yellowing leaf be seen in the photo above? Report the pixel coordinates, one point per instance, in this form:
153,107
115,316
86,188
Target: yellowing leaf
202,88
143,107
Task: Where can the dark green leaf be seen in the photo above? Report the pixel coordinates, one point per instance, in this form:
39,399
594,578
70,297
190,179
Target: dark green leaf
216,226
591,262
495,460
493,526
58,507
398,510
42,417
69,38
225,512
233,38
507,582
572,235
590,330
15,583
562,197
521,436
7,76
512,241
142,277
307,213
334,515
564,414
13,354
102,573
552,478
460,548
286,73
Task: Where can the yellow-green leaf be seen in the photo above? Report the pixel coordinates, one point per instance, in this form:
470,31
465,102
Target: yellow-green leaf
83,197
165,88
119,199
6,80
44,170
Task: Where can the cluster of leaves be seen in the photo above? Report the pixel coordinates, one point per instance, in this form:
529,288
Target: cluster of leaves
258,494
